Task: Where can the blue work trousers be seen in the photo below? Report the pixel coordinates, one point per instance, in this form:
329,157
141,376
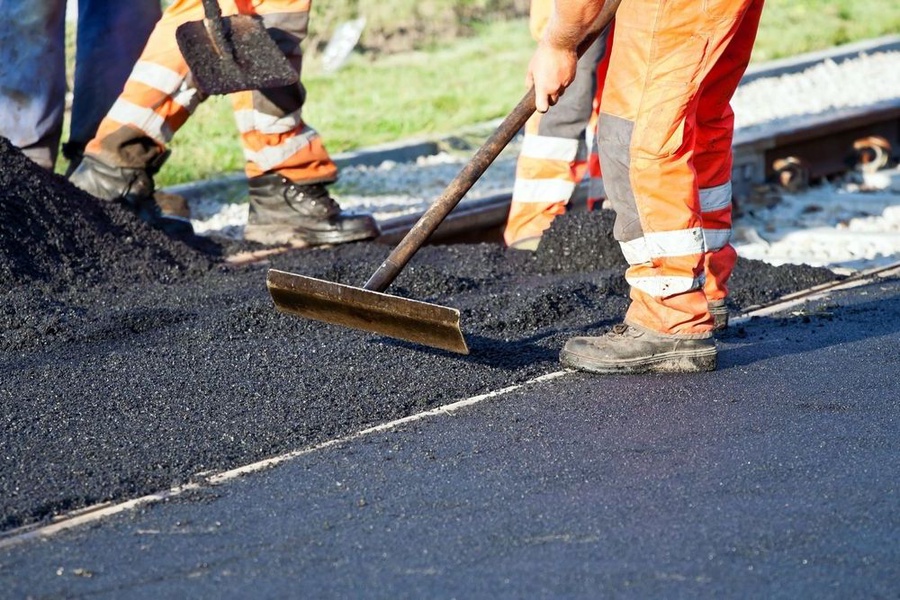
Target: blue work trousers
110,36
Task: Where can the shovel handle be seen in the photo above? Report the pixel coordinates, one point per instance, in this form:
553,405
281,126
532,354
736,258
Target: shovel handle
215,28
212,10
475,168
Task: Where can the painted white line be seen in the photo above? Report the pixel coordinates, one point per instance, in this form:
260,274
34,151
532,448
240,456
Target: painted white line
88,515
95,513
441,410
100,511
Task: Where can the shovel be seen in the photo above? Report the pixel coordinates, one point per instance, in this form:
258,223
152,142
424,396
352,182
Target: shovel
368,308
232,54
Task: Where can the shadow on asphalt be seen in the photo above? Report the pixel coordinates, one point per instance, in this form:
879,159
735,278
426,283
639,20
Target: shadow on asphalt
484,350
518,353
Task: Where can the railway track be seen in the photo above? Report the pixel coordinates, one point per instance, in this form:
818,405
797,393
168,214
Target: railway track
823,146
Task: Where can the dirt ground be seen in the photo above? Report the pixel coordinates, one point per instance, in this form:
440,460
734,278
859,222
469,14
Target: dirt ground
130,362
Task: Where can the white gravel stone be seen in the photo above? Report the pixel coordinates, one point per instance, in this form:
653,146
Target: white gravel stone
822,88
833,225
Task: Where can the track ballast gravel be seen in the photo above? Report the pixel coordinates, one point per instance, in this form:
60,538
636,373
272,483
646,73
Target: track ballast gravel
131,362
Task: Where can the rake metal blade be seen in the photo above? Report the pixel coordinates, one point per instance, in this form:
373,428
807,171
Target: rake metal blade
358,308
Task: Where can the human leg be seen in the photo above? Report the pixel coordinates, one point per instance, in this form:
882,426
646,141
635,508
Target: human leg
33,77
713,161
130,145
662,54
157,99
554,156
288,167
111,36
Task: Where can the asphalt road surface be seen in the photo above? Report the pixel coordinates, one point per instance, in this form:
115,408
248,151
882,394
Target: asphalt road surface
775,476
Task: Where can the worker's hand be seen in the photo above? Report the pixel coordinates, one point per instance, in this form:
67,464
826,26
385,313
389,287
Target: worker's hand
550,71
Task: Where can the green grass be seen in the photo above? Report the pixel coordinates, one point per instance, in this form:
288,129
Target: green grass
472,80
420,93
789,27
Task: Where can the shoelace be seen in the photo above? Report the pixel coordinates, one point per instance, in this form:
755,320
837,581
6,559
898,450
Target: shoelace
315,194
619,329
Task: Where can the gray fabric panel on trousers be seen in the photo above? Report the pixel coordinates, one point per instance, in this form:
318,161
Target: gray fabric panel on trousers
614,138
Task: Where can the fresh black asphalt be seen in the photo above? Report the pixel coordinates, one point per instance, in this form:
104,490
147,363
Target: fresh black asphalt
774,477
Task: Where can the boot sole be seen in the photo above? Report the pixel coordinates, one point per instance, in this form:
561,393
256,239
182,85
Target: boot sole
276,235
671,362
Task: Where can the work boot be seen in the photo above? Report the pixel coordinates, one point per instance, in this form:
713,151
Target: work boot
627,349
719,313
133,187
282,212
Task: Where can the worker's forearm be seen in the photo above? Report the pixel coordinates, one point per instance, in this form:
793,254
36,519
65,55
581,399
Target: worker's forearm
571,22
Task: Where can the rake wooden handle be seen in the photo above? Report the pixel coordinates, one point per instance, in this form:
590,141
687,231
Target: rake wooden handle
447,201
475,168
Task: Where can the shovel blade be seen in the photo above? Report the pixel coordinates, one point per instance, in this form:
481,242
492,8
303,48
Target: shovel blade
411,320
233,54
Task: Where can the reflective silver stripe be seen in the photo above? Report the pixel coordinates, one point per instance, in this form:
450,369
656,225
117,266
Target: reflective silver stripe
187,97
142,118
542,190
635,251
682,242
253,120
272,156
715,198
549,148
166,81
661,287
596,188
156,76
716,239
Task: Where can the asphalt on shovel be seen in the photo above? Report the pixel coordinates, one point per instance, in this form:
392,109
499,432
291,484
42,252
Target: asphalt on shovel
368,308
232,54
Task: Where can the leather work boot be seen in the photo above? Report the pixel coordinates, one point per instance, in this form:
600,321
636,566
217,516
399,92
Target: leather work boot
283,212
626,350
719,313
133,187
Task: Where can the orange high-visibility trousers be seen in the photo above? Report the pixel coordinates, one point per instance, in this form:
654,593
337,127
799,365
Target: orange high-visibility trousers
665,134
159,96
555,154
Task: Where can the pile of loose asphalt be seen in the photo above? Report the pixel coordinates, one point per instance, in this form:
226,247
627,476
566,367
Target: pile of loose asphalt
131,362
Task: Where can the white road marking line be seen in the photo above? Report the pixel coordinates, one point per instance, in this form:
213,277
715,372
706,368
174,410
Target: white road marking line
91,514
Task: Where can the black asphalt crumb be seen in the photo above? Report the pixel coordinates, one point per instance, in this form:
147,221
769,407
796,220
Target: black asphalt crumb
130,361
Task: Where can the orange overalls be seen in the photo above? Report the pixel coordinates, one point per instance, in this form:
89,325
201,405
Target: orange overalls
665,135
159,96
555,156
